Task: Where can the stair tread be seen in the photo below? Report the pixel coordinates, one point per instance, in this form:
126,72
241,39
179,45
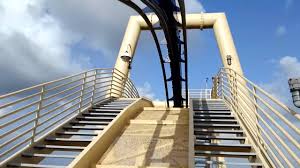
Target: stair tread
85,127
100,114
209,115
219,137
95,118
35,165
223,144
59,147
108,110
27,154
236,154
216,125
77,133
90,122
68,139
218,131
216,120
229,163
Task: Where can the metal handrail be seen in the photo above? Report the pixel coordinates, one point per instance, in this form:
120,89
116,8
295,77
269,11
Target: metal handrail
30,114
271,125
198,93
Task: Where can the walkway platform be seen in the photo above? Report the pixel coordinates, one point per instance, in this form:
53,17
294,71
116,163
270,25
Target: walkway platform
157,137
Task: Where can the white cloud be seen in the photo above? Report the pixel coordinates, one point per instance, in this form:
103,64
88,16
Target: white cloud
289,67
37,36
194,6
100,24
146,91
33,46
288,3
281,30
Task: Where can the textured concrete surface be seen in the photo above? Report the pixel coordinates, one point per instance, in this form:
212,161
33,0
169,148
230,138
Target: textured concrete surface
156,138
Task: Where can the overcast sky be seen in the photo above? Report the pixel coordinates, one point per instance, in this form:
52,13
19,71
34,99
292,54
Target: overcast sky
42,40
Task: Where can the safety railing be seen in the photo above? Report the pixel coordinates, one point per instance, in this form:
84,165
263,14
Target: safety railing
272,126
29,115
198,93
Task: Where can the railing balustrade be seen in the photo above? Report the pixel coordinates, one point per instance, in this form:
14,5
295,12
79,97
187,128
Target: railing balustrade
29,115
272,126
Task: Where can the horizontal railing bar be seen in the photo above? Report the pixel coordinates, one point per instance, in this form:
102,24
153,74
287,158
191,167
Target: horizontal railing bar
65,84
261,119
57,114
19,109
16,137
20,100
86,93
114,84
87,98
16,146
274,111
266,144
42,84
104,77
58,107
63,91
108,81
56,101
42,130
265,93
16,128
273,121
17,119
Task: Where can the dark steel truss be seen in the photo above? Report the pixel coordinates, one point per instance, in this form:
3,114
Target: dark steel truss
165,12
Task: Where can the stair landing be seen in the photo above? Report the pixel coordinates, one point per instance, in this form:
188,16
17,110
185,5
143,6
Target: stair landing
157,137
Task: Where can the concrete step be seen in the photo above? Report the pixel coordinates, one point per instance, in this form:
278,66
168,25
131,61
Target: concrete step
106,110
218,131
100,114
205,137
25,154
85,127
91,122
225,154
34,165
77,133
95,118
60,147
222,147
217,121
249,164
68,139
201,116
205,125
211,113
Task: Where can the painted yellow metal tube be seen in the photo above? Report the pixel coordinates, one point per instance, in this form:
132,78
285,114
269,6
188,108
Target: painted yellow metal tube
216,21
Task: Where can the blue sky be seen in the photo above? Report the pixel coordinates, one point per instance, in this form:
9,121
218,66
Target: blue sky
264,32
43,40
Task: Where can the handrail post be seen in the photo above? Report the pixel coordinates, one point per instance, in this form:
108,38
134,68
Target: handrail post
258,131
82,91
94,87
37,114
111,83
236,90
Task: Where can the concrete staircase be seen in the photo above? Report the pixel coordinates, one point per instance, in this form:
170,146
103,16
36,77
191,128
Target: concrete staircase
219,138
60,148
